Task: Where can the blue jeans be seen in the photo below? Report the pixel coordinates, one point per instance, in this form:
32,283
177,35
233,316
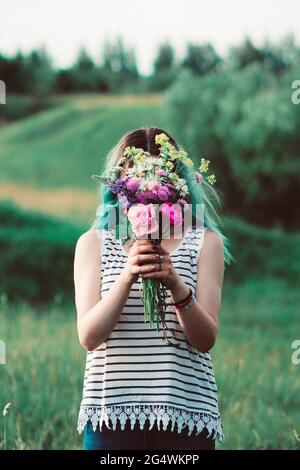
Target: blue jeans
144,439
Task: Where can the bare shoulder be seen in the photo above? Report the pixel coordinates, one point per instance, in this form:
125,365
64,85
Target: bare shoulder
89,240
213,241
211,259
88,244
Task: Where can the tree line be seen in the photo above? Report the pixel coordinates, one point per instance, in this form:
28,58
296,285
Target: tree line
117,69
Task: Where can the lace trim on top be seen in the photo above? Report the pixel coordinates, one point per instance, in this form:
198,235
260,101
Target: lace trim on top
154,414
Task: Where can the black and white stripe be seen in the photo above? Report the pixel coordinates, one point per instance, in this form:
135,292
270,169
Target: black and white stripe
134,366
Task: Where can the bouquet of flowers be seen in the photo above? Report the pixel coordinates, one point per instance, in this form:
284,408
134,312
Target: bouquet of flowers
153,189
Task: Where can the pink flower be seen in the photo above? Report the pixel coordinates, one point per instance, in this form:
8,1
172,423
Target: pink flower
160,172
163,193
132,184
183,203
159,191
172,212
199,177
144,196
143,219
153,186
171,189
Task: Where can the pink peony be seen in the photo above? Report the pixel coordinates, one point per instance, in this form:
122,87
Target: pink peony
172,212
143,219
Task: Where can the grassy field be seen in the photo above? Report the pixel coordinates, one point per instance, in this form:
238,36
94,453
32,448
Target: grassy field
48,158
63,146
258,384
46,163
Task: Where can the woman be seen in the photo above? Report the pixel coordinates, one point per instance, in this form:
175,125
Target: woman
139,393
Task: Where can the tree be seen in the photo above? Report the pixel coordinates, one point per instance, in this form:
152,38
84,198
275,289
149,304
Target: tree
165,58
243,121
119,64
245,54
84,72
201,59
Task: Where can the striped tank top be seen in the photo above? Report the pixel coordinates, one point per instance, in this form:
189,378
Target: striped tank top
135,375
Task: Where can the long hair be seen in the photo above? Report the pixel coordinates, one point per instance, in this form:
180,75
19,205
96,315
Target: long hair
203,193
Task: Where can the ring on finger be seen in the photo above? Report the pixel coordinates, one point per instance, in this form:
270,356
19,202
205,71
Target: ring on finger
161,258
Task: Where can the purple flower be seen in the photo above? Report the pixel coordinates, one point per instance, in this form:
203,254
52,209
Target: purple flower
132,184
163,193
141,198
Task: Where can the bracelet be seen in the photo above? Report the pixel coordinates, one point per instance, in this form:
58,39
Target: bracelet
186,307
185,301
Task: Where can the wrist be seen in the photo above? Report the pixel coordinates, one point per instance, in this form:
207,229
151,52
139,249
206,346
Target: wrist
179,290
126,278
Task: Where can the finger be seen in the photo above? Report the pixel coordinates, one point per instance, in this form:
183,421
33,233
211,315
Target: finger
161,275
159,268
161,250
145,268
144,248
143,241
145,258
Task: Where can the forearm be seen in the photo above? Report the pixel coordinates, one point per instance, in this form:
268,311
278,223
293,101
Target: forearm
96,324
198,326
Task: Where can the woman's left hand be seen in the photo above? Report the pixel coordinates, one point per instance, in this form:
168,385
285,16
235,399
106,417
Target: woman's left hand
167,273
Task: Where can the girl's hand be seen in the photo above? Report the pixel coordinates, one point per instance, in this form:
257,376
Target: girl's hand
143,258
167,274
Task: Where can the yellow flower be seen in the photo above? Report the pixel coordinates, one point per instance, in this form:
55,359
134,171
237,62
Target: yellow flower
204,165
161,139
173,177
211,179
140,157
189,162
169,165
173,154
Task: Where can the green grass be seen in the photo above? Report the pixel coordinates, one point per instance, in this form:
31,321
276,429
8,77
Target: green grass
64,145
258,385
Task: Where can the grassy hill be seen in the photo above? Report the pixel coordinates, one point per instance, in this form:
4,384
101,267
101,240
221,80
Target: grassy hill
64,145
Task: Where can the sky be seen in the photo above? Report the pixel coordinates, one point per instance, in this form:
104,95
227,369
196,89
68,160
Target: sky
64,26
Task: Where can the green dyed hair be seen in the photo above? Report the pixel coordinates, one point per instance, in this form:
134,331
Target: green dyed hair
203,193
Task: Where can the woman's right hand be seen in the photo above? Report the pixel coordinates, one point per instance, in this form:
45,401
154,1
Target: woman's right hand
142,258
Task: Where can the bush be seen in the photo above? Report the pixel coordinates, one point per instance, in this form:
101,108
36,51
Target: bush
243,121
262,253
37,255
